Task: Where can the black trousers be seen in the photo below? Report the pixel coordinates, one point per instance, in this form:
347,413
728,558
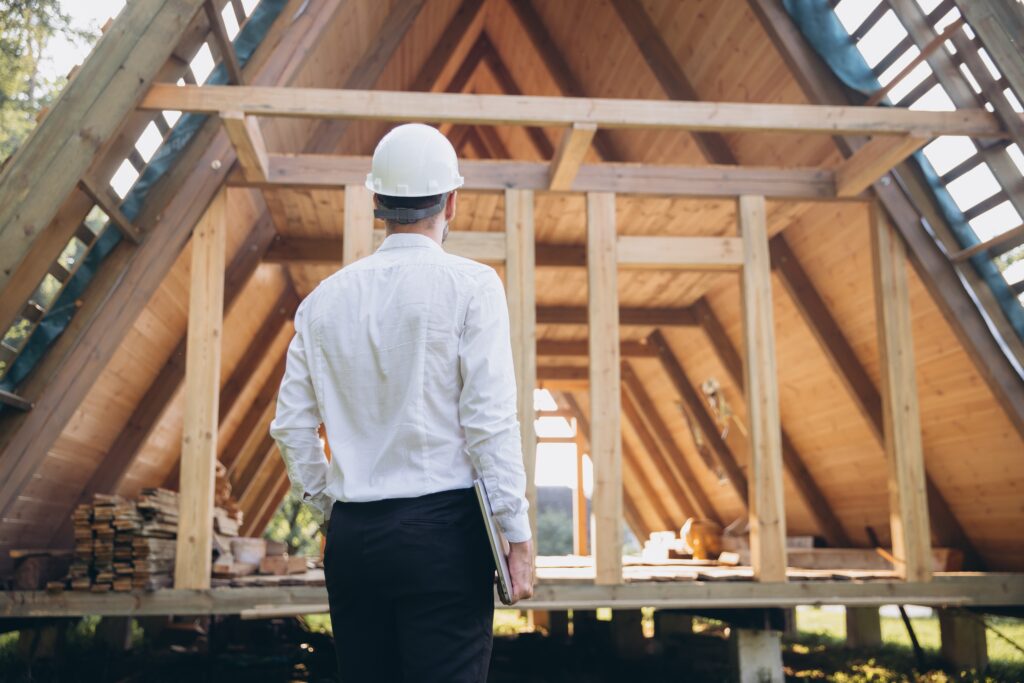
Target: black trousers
411,589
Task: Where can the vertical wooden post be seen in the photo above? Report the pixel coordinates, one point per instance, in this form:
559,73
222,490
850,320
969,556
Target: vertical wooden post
202,392
580,518
908,502
863,627
964,645
520,279
358,238
605,408
767,508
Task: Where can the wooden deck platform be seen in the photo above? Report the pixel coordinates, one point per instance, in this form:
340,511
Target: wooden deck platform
665,585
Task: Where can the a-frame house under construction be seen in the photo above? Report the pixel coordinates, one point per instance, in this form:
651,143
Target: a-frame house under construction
734,241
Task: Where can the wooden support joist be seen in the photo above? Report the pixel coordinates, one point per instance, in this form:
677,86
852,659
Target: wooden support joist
685,253
325,171
14,401
358,227
605,405
767,501
695,406
569,156
250,148
520,284
82,120
566,82
908,505
627,349
109,206
202,384
497,110
223,43
648,411
998,244
669,74
640,317
872,161
814,500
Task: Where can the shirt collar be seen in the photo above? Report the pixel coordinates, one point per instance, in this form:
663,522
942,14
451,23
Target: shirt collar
399,240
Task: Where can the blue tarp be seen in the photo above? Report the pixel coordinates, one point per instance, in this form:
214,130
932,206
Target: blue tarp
60,314
822,29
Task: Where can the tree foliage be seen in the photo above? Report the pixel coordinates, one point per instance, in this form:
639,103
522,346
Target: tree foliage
293,523
26,27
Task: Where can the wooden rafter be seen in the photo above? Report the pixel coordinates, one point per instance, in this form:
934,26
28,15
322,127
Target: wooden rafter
663,436
815,502
529,110
223,43
456,39
669,74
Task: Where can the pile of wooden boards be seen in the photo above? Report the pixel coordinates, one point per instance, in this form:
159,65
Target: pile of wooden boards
124,544
242,557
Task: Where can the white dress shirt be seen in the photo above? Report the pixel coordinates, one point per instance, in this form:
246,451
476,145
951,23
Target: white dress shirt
405,357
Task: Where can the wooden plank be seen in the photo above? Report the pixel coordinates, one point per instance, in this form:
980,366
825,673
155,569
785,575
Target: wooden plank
695,406
908,506
462,30
1005,241
359,232
581,349
668,73
192,564
85,116
872,161
964,590
520,285
250,148
628,316
606,412
648,412
227,51
933,45
499,110
684,253
566,82
814,500
108,204
580,513
767,502
569,156
326,171
14,401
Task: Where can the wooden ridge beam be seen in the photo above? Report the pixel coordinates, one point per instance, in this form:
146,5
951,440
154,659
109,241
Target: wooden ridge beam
327,171
130,275
496,110
566,82
872,161
668,73
695,406
663,435
815,502
250,148
569,156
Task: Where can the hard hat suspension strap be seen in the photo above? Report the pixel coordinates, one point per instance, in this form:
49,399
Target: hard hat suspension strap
404,215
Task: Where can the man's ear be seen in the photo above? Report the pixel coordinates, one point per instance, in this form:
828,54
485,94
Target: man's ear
449,206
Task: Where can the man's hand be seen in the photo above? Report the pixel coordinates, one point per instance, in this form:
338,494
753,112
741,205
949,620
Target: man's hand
520,566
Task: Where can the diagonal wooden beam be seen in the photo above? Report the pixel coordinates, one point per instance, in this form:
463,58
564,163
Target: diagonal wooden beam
364,75
663,435
669,74
816,503
566,82
223,43
571,151
456,39
109,206
813,309
679,493
872,161
632,470
250,148
259,525
130,275
695,405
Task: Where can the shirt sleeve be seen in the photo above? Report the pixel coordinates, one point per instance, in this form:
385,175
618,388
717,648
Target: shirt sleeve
487,406
296,423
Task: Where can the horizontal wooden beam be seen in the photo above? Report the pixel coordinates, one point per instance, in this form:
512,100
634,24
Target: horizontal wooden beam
327,171
964,590
380,105
641,317
635,251
630,349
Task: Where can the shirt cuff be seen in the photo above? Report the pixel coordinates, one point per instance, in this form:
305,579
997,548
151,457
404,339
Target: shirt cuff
515,527
320,505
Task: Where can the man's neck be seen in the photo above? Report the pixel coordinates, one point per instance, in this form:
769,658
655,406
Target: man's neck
433,231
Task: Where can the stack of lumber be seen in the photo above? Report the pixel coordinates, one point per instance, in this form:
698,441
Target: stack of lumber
153,543
229,513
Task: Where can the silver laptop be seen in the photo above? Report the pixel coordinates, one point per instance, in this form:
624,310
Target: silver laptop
497,542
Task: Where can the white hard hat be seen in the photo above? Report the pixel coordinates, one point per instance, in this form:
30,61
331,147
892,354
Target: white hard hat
414,160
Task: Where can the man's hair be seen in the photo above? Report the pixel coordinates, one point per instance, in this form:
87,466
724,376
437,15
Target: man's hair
391,202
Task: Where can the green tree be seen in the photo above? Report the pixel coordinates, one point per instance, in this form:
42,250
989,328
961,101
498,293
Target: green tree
293,524
26,27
